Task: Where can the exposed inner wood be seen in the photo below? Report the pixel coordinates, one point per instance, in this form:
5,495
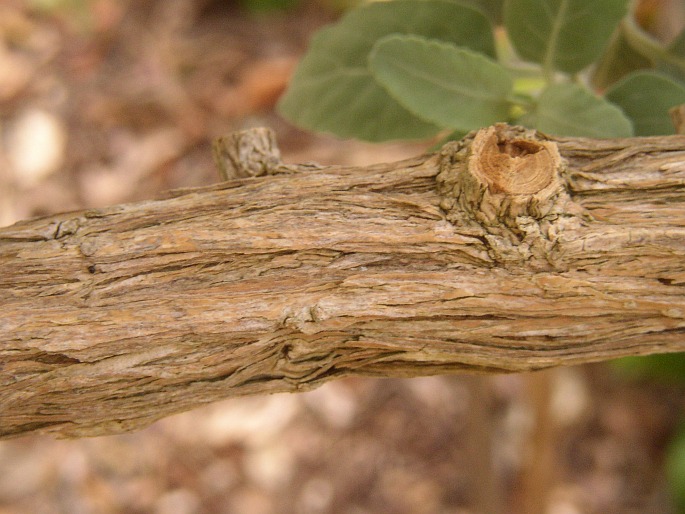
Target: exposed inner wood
510,164
113,318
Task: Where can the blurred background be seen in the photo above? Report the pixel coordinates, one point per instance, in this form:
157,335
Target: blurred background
111,101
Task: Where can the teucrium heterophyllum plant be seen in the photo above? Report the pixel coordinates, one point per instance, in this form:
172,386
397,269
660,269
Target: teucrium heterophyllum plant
408,69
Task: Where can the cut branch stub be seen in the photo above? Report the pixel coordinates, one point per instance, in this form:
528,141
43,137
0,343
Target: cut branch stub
508,181
246,153
513,166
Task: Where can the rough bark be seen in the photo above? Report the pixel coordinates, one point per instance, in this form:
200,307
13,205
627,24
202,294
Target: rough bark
488,256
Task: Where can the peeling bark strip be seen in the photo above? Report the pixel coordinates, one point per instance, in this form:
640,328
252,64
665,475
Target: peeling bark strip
496,254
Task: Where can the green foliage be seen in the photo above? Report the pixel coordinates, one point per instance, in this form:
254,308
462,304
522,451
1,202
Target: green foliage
618,60
491,8
572,110
409,69
669,59
333,89
562,35
646,97
677,46
440,82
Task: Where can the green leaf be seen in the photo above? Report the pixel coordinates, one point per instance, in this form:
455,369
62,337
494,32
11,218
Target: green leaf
677,46
645,97
676,58
491,8
669,60
333,91
572,110
564,35
618,60
675,468
673,67
441,83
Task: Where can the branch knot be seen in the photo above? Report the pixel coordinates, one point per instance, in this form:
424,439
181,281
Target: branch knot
508,182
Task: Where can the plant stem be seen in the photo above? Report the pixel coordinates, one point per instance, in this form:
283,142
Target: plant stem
548,63
646,45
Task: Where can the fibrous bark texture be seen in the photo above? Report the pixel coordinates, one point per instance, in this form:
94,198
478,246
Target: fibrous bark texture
506,251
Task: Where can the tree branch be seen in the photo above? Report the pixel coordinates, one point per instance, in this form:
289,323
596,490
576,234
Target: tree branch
494,255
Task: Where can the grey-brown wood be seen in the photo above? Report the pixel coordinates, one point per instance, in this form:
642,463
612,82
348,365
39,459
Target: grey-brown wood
116,317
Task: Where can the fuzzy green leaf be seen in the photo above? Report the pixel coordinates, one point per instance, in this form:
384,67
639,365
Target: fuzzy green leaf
669,60
618,60
571,110
441,83
677,46
333,91
564,35
645,97
491,8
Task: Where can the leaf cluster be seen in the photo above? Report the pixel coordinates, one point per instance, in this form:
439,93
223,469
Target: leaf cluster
409,69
